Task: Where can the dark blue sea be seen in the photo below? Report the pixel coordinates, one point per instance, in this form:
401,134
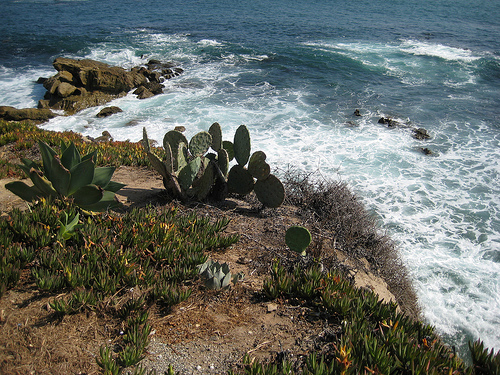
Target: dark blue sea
294,72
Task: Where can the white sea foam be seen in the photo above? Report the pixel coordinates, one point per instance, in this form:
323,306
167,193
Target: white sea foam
438,50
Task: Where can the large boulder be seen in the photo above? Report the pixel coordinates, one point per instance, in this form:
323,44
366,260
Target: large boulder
33,114
108,111
81,84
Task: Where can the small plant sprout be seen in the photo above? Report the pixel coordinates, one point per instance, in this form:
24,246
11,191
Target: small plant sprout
298,238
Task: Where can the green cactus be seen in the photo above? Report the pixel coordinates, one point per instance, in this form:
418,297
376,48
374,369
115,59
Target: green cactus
229,147
200,143
242,145
68,176
189,173
203,185
270,191
239,180
216,133
223,161
174,138
298,238
258,167
190,170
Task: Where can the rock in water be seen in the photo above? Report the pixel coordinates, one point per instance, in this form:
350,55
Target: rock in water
81,84
108,111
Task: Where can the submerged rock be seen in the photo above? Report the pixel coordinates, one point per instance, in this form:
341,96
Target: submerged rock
389,122
421,134
108,111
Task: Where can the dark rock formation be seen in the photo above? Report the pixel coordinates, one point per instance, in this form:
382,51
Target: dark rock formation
389,122
81,84
108,111
33,114
421,134
426,151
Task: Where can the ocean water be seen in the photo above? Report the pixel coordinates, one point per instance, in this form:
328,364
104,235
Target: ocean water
294,72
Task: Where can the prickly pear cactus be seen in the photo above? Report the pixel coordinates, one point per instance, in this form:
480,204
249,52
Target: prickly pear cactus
258,167
239,180
203,185
189,173
216,133
200,143
223,161
191,170
174,138
229,147
298,239
242,145
270,191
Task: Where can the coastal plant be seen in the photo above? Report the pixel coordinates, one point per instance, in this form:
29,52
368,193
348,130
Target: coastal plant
22,137
372,336
298,239
215,275
68,176
199,168
484,362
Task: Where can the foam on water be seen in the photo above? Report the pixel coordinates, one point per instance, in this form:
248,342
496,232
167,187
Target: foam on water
18,88
444,211
413,63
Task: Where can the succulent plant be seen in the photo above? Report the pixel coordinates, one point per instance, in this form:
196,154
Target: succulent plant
216,276
298,239
190,170
68,175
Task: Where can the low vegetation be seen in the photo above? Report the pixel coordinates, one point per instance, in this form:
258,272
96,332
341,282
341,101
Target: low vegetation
89,262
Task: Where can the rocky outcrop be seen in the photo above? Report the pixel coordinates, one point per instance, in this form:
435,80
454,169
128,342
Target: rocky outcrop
33,114
108,111
421,134
81,84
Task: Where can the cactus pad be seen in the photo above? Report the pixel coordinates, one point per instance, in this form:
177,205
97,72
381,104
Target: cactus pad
242,145
158,165
239,180
200,143
203,185
168,160
174,138
270,191
258,167
180,160
298,238
189,173
223,161
229,147
216,133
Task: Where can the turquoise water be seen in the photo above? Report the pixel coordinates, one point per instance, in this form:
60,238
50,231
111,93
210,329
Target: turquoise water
294,72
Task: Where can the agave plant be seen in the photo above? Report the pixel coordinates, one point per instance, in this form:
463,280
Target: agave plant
216,276
68,176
